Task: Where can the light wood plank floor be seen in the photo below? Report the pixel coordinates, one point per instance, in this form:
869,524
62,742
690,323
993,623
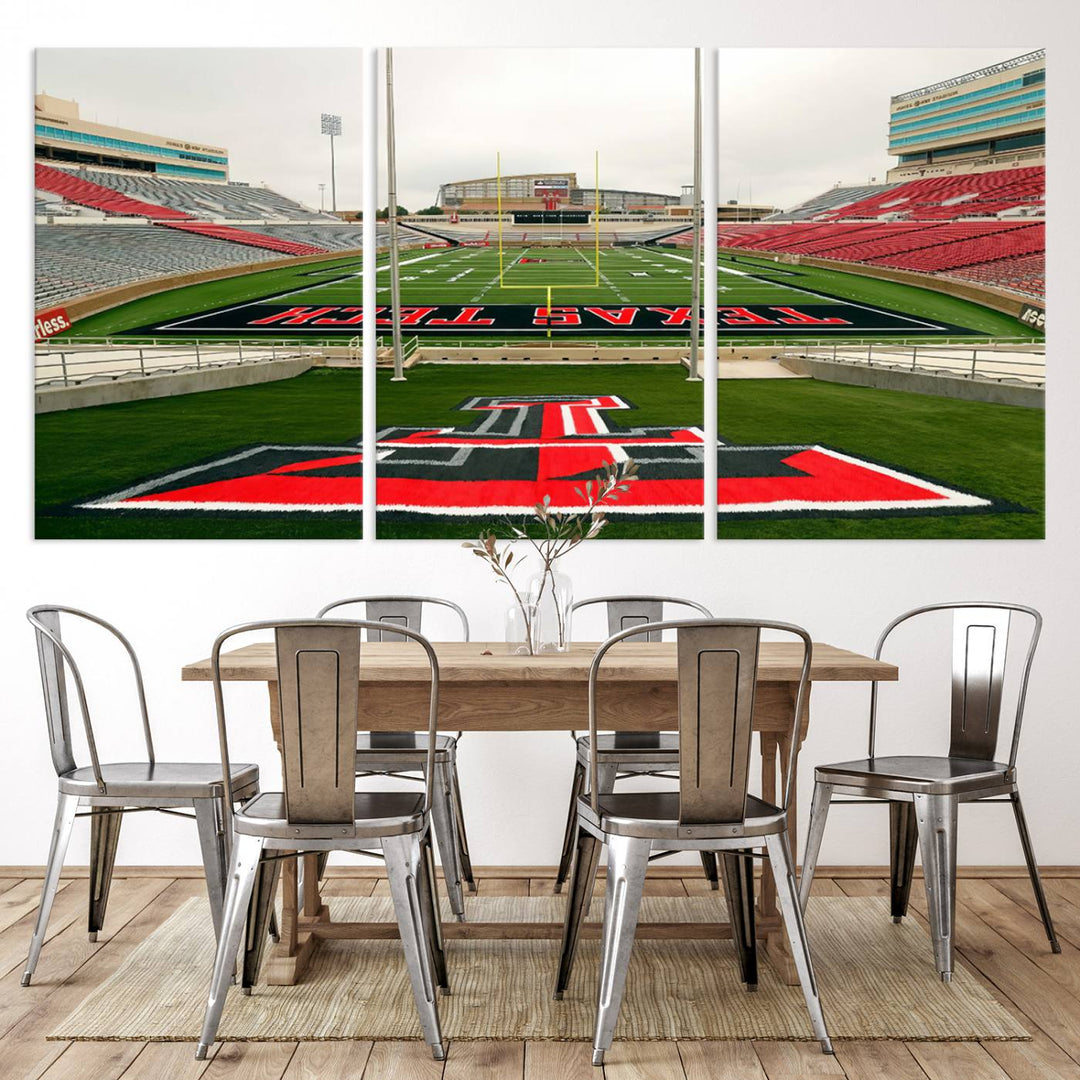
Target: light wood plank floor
998,935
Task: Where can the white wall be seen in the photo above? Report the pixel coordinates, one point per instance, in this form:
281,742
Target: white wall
172,597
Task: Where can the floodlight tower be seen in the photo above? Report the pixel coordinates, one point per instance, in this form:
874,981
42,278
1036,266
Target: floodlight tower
331,125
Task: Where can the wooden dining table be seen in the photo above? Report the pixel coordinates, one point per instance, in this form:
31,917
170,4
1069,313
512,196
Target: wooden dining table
484,687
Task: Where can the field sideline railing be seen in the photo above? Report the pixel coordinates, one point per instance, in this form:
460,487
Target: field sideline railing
1013,361
72,363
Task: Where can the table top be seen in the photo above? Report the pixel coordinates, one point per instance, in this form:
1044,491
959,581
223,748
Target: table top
480,662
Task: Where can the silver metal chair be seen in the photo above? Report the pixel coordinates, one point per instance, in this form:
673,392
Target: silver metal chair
924,793
711,811
627,753
110,790
402,754
320,811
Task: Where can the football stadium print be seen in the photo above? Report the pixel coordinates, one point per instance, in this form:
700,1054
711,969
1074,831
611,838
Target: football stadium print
540,299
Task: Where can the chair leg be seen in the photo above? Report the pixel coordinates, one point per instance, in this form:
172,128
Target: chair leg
1033,871
787,897
903,842
815,830
464,858
606,775
214,854
628,860
105,825
712,872
259,913
403,869
566,859
442,821
66,806
739,893
936,818
428,891
582,881
246,856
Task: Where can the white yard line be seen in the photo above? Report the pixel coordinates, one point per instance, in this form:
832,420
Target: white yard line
605,279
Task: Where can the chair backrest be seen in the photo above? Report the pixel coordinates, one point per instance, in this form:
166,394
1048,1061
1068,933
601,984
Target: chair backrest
318,669
624,612
390,611
717,677
980,640
55,660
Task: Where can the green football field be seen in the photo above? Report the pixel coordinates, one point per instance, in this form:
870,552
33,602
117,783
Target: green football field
450,277
89,454
86,453
993,450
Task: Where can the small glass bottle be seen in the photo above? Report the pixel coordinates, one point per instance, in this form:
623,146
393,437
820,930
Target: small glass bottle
522,624
553,595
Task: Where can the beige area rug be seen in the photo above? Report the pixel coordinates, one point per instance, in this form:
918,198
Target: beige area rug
877,981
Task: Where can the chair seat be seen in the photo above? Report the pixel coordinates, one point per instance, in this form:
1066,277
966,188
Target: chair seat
921,775
375,813
400,746
633,748
655,815
163,779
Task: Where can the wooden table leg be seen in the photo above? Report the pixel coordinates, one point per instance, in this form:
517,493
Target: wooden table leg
287,960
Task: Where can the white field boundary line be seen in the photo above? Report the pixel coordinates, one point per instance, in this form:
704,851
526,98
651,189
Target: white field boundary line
281,296
831,299
604,278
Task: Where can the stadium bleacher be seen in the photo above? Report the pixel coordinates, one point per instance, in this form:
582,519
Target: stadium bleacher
935,198
77,189
71,261
339,237
829,200
246,236
236,202
1024,274
64,257
949,248
628,232
946,198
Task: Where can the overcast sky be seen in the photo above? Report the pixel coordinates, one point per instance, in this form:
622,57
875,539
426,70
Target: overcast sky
543,109
263,105
792,121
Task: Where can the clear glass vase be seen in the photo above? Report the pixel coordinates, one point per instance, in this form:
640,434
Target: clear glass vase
522,624
553,595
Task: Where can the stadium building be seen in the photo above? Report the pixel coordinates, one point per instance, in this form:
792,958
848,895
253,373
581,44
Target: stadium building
62,137
993,118
535,191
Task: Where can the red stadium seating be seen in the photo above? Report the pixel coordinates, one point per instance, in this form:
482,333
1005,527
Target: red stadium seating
925,247
76,190
246,236
946,198
1024,274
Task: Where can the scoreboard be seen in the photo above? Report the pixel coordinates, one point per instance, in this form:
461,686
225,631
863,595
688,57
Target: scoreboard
551,217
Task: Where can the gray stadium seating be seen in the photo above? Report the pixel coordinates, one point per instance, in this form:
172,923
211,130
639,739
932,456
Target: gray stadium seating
829,200
72,260
236,202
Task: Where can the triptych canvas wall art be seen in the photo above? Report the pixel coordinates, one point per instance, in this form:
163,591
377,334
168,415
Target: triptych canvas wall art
546,251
